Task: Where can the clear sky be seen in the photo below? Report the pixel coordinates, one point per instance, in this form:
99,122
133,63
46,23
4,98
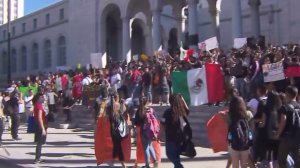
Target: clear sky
34,5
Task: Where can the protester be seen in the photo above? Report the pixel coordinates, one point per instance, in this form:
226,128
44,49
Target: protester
173,123
140,120
116,117
239,133
273,106
40,125
28,103
1,117
14,114
286,129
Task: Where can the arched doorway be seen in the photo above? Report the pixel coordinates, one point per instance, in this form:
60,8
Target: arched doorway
138,38
112,32
173,46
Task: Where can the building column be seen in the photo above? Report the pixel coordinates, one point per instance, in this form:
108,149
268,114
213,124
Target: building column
215,15
126,54
255,17
156,33
193,21
237,22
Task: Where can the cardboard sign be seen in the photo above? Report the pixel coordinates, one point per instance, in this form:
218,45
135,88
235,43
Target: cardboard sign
96,60
239,42
273,72
90,94
211,43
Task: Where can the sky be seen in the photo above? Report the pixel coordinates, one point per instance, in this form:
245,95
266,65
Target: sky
34,5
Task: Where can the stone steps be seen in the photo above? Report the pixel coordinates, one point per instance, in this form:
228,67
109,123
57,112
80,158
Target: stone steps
83,118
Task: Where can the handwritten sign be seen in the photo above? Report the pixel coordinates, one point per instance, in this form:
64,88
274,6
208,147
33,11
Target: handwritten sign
273,72
89,94
98,60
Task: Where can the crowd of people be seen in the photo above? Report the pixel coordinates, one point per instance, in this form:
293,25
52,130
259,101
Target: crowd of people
254,105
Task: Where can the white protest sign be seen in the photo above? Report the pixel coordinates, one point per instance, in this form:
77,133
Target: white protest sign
202,46
273,72
98,60
135,57
211,43
63,68
239,42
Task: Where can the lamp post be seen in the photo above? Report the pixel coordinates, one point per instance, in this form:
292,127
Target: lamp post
8,42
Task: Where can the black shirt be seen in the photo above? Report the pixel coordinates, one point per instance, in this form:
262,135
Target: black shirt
147,79
288,111
172,129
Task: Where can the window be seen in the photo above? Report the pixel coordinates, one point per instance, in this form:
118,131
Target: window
23,58
13,31
61,14
14,60
62,59
23,27
35,56
34,23
4,34
47,19
4,62
47,53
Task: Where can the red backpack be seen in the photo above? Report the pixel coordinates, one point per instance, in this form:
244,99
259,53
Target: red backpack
151,125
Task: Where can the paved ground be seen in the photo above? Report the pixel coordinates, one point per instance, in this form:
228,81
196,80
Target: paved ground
74,149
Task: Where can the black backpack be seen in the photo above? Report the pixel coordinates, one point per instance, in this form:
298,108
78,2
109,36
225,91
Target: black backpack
294,132
239,135
7,110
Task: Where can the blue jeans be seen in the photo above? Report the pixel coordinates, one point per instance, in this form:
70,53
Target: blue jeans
241,87
148,150
173,154
148,93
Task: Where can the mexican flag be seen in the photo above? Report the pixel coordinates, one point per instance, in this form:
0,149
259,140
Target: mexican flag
201,85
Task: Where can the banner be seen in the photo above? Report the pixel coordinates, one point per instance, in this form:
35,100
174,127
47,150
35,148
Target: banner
89,94
239,42
292,71
24,90
273,72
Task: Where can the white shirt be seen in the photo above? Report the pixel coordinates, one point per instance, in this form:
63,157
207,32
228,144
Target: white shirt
116,81
87,81
253,104
58,84
28,101
51,99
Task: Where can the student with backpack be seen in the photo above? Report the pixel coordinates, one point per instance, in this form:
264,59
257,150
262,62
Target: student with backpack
119,128
239,133
150,127
289,129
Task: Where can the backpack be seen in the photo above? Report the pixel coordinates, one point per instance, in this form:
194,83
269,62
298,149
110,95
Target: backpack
294,133
151,125
7,110
123,128
239,135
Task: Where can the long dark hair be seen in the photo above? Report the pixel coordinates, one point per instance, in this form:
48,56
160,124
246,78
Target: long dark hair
141,109
237,109
36,97
178,107
273,105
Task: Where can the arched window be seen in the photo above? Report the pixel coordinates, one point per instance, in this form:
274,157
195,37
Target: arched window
62,52
35,56
23,58
4,62
13,61
48,54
